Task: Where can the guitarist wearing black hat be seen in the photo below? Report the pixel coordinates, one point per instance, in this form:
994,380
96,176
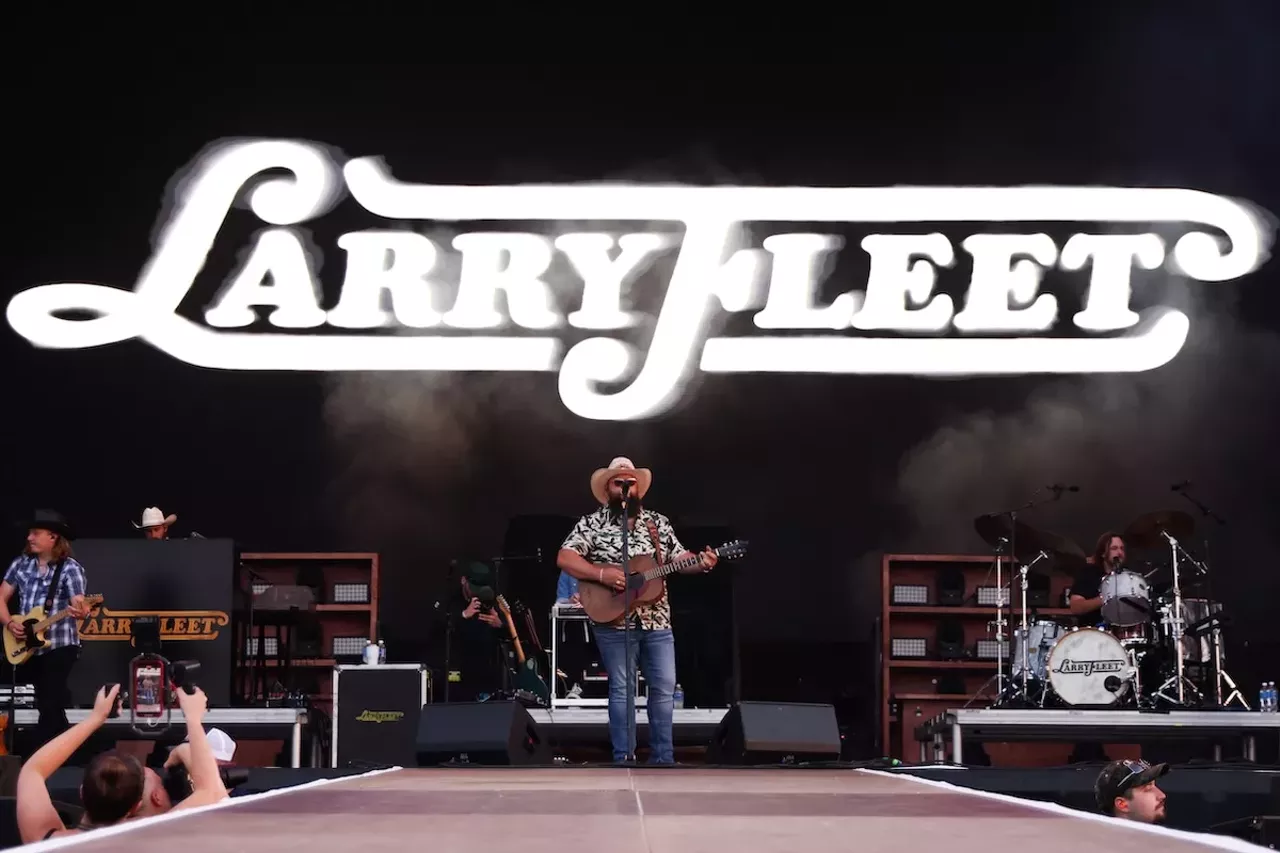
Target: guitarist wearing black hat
46,574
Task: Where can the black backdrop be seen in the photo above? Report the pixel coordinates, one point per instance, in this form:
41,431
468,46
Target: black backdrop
187,582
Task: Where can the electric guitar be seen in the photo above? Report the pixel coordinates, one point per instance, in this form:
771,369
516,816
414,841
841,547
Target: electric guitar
645,580
528,678
19,651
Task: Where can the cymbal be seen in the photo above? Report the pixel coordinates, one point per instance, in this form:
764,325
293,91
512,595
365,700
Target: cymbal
1063,554
1144,531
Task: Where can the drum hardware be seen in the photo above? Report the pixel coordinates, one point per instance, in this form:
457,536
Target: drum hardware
1220,675
1031,551
1179,679
1001,601
1215,619
1209,629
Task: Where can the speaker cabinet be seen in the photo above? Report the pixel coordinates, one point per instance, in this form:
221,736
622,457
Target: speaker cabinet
776,733
376,714
480,733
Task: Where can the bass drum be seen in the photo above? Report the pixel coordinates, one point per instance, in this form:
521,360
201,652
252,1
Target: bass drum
1080,664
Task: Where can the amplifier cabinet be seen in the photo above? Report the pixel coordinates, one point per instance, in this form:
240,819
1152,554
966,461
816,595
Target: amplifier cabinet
376,711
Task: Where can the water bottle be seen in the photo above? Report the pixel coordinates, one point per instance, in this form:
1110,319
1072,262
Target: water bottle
677,698
1271,698
382,652
370,653
1263,697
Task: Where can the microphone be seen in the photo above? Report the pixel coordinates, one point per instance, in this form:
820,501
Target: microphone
625,485
1177,487
1059,488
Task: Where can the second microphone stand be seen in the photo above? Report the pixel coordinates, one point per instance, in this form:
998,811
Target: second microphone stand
626,621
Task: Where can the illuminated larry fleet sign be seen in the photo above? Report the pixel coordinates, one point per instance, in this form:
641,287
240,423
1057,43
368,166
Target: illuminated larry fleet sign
998,330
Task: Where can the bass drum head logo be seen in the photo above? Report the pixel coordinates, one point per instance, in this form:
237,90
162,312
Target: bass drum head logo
1089,667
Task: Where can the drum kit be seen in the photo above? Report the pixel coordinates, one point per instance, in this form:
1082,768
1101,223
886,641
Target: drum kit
1156,644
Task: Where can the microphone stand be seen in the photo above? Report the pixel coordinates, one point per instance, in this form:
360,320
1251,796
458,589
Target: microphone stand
626,622
450,591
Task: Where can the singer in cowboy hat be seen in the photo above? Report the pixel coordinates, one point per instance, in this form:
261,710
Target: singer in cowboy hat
589,553
155,524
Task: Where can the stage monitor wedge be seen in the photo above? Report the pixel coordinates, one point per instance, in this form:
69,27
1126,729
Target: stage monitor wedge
492,733
754,733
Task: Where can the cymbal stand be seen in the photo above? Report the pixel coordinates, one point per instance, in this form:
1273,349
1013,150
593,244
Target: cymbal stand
999,624
1178,630
1220,675
1025,629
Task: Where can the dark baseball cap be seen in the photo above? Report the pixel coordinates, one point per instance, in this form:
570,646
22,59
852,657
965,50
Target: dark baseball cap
1119,776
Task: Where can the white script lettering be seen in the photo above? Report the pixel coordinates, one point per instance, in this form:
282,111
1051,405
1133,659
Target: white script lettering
715,274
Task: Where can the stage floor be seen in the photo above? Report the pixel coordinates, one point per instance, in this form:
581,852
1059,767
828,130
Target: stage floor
679,810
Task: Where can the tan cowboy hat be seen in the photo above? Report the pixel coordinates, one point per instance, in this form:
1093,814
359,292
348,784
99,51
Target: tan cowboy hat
621,465
153,517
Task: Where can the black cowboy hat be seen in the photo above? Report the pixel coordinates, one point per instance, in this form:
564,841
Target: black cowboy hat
47,519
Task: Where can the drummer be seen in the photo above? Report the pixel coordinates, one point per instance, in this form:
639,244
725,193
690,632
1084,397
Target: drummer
1086,590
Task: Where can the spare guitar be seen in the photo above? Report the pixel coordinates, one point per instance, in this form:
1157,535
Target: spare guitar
20,651
646,579
527,679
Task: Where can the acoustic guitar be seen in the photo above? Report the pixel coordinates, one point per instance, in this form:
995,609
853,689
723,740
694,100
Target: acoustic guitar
528,680
646,581
19,651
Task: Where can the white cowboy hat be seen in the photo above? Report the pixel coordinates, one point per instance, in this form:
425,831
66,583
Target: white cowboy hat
643,478
153,517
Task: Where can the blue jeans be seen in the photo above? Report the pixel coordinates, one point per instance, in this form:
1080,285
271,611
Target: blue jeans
656,651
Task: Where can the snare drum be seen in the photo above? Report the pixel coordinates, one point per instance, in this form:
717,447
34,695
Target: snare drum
1043,635
1126,600
1131,635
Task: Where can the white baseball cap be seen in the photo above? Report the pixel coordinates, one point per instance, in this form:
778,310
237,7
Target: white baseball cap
224,748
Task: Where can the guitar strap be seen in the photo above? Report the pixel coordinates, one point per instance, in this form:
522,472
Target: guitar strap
532,628
657,543
53,588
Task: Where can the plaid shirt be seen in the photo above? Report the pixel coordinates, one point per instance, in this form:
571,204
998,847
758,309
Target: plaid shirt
32,585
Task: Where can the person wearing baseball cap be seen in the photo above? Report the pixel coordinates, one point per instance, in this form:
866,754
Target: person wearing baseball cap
1127,789
220,743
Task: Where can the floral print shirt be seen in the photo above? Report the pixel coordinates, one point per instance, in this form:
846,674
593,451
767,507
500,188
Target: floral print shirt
598,538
